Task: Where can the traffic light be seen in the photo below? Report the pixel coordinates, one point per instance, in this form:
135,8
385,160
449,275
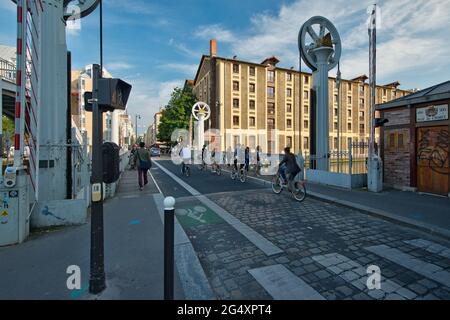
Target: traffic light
380,122
113,95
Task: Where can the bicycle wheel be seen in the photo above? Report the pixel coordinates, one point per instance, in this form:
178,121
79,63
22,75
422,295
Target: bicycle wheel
243,176
276,185
299,191
187,171
218,171
233,174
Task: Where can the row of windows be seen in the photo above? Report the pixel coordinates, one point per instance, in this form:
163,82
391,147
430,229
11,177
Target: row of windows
270,74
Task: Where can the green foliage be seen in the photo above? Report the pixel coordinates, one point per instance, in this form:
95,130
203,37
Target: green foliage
8,126
177,113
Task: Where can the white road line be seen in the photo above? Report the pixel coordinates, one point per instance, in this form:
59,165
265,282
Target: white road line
282,284
357,276
154,181
408,261
430,247
254,237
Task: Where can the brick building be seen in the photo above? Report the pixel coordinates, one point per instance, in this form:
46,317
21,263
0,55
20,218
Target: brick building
263,104
415,142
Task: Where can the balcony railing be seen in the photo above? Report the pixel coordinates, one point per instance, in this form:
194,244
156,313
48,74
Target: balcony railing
7,70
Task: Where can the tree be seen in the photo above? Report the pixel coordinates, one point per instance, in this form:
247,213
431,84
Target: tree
176,114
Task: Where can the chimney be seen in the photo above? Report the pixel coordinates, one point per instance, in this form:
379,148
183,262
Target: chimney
213,48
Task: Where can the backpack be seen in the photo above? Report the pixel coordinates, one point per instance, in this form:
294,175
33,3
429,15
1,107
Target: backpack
144,165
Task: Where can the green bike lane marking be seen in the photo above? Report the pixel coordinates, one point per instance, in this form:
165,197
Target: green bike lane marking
192,214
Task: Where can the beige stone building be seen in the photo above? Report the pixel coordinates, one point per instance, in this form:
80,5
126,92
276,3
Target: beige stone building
263,104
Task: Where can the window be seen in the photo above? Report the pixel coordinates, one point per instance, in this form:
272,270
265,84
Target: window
271,108
306,109
236,85
289,142
361,115
271,76
252,121
289,123
392,141
271,124
349,86
289,108
289,77
361,90
306,94
400,141
252,87
235,103
335,126
384,92
349,113
349,99
335,143
336,112
306,124
361,102
236,140
235,120
289,92
362,128
335,99
252,71
306,79
252,142
235,68
270,92
305,143
349,126
252,104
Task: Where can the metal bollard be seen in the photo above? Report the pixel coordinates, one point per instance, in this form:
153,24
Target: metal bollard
169,212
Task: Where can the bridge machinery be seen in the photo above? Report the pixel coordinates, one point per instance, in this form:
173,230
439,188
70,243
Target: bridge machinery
39,186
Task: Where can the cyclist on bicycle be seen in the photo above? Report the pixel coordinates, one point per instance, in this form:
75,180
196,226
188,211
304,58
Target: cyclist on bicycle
185,154
288,166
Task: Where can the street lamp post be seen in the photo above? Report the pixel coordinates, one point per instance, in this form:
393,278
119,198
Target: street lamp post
136,125
338,85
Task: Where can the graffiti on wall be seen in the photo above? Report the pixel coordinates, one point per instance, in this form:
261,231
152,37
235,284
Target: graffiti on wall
433,150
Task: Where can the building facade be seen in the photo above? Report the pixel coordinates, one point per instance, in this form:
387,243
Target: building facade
262,104
415,142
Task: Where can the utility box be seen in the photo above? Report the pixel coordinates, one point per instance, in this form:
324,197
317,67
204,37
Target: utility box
14,211
375,174
111,162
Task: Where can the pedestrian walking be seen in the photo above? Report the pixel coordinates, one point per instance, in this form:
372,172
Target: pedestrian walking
144,163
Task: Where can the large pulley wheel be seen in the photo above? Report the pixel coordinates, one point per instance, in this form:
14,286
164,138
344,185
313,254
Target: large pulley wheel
315,33
201,110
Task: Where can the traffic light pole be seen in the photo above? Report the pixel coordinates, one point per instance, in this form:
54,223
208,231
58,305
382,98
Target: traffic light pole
97,278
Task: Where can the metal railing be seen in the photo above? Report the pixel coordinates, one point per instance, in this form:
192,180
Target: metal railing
350,161
7,70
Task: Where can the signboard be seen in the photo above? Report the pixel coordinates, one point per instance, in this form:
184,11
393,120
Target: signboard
432,113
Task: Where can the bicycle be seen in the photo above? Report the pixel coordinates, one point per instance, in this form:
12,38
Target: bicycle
298,190
240,174
215,168
185,170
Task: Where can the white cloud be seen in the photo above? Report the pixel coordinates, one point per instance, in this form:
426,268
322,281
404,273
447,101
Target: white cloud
215,31
183,49
118,66
412,37
148,96
184,68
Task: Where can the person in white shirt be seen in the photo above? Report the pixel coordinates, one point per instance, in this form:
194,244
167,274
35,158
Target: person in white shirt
185,154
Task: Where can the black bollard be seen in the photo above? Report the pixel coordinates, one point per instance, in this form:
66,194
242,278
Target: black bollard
169,239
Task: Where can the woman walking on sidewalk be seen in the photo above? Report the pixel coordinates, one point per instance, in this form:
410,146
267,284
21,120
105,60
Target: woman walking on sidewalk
144,163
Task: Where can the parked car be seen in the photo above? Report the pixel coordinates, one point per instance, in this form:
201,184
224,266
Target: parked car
155,152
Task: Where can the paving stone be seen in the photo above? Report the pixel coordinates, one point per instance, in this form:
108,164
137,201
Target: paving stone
322,274
344,290
282,260
230,284
393,296
428,283
408,294
376,294
361,296
310,268
417,288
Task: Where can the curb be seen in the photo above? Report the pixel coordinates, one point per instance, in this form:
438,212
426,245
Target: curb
432,230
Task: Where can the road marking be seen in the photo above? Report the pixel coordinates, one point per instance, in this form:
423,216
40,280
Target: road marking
357,276
282,284
154,181
423,268
254,237
193,279
430,247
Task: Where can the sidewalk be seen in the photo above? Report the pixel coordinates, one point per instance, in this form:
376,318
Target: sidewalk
426,212
134,253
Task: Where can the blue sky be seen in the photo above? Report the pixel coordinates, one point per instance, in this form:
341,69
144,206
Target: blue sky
156,45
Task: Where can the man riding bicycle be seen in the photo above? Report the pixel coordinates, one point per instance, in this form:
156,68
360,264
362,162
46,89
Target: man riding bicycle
288,167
